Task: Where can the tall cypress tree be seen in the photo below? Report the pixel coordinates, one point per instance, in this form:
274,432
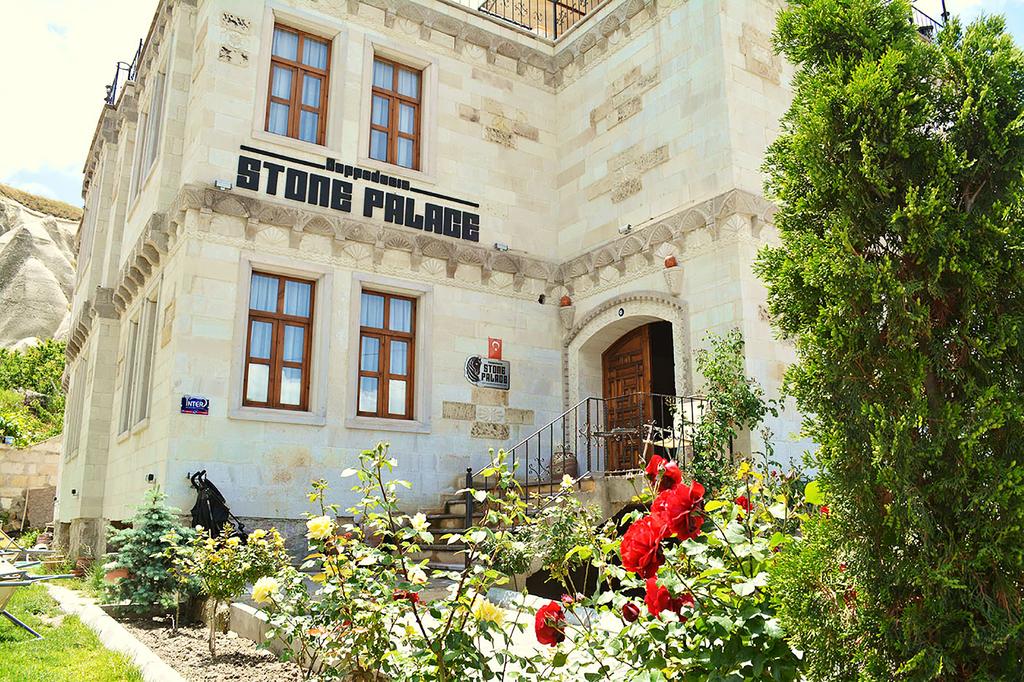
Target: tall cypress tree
899,177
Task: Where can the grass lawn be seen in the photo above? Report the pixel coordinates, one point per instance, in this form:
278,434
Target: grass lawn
68,651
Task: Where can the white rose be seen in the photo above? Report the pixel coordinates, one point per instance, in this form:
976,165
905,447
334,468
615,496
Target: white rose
419,522
417,576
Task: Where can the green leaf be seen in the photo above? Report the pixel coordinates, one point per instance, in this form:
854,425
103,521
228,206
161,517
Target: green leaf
812,493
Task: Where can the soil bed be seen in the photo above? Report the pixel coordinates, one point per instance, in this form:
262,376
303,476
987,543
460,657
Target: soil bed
188,653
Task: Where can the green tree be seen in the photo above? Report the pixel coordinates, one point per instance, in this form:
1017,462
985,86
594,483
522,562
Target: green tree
142,551
734,403
38,369
899,176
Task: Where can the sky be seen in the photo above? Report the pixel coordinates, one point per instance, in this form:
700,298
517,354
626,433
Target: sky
60,54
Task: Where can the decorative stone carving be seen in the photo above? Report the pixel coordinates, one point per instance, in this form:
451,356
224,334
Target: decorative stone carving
674,280
566,315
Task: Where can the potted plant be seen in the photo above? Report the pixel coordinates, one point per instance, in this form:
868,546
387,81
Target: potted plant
83,562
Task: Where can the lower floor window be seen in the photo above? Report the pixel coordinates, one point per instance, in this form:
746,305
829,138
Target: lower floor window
278,342
387,324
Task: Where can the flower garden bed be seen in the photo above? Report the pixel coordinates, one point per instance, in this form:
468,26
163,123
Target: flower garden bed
185,650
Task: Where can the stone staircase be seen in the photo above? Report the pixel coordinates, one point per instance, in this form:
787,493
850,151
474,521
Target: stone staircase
451,517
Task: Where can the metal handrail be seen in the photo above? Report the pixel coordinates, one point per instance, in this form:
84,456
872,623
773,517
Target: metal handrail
132,71
586,434
548,18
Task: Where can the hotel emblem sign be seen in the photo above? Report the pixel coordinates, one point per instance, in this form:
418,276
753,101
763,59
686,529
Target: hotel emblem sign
350,189
488,373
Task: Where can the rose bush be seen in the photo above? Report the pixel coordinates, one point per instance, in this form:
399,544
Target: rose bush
701,567
222,566
371,618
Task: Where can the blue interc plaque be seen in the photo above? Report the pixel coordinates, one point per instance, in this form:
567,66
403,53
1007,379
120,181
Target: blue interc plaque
195,404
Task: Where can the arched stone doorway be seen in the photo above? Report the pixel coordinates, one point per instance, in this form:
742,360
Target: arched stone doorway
626,352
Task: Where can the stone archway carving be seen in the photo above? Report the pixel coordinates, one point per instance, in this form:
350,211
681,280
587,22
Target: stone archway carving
596,330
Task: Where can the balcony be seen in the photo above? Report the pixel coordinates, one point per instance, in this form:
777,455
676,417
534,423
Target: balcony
547,18
926,25
552,18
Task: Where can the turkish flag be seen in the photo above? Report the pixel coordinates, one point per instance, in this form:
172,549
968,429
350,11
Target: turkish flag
493,349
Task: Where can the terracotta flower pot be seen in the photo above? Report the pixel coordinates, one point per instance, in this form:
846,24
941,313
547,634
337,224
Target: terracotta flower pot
116,574
671,262
565,301
82,565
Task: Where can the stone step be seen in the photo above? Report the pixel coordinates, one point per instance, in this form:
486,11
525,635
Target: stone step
449,522
440,554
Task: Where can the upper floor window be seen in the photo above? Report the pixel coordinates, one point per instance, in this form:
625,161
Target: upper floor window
147,138
297,96
395,115
135,387
279,342
387,339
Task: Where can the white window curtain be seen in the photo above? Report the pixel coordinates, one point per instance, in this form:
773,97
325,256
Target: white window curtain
263,293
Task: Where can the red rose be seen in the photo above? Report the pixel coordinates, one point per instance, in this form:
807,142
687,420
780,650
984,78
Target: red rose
641,546
825,511
658,599
670,473
679,508
550,624
743,502
630,612
398,595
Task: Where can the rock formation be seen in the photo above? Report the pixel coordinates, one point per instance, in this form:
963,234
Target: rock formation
37,267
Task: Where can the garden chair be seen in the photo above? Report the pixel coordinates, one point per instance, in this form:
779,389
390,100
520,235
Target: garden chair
11,578
8,544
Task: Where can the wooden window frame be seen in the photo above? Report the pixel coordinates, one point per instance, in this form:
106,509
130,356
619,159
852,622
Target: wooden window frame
394,99
299,71
383,375
278,321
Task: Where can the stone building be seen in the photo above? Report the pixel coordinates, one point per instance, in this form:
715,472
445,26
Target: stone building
315,220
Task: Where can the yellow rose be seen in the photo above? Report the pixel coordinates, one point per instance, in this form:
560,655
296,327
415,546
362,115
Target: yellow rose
319,528
264,589
234,542
258,534
485,610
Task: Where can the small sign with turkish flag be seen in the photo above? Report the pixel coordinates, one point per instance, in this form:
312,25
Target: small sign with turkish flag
493,349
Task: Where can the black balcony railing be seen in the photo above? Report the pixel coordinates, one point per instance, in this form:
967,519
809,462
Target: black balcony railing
129,70
926,25
548,18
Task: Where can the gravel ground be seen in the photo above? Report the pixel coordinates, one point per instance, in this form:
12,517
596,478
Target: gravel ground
188,653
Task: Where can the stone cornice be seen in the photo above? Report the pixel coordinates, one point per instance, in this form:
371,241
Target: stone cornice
670,235
353,242
100,304
145,256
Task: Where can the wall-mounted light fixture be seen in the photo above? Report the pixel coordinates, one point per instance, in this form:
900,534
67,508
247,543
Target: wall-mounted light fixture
500,246
222,185
150,478
626,229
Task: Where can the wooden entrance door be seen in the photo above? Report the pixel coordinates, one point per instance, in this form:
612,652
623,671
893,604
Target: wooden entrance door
626,369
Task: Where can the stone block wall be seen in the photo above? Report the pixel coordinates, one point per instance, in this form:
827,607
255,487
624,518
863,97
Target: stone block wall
29,469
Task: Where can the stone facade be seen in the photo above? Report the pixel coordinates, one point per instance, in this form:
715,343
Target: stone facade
636,136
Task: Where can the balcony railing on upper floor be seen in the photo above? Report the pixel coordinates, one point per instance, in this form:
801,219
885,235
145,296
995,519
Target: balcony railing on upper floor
129,70
552,18
927,26
547,18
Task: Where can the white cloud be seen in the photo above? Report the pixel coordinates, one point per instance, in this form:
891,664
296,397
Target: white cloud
58,56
